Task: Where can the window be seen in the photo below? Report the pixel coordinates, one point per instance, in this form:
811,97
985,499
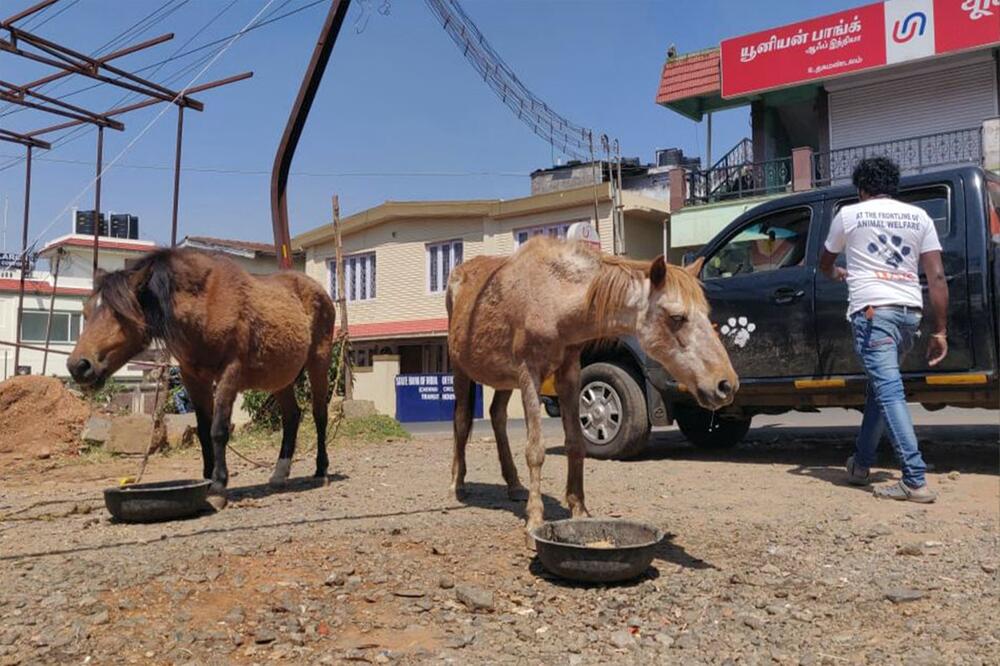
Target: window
360,356
767,244
936,202
65,326
993,205
521,236
359,277
441,259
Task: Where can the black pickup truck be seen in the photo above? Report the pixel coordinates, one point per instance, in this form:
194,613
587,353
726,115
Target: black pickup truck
784,323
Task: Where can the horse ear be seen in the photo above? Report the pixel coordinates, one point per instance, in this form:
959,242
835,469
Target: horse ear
694,268
658,273
99,276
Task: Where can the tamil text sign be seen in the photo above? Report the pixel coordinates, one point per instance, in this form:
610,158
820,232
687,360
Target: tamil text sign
858,39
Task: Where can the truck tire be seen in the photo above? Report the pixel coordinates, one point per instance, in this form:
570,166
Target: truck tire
612,412
709,431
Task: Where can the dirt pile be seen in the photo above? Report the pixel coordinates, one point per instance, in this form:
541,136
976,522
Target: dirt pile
39,417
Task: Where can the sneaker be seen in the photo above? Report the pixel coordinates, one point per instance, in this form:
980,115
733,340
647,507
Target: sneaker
856,474
902,492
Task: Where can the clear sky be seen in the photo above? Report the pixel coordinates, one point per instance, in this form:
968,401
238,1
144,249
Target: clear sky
400,115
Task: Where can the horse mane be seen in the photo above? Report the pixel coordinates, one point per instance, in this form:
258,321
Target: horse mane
143,295
609,290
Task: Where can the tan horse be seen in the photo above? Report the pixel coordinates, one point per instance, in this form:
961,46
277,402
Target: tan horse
227,329
512,321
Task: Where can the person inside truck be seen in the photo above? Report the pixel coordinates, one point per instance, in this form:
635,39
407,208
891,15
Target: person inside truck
886,243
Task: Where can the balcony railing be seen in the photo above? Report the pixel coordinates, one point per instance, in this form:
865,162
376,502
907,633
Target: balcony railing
913,155
725,182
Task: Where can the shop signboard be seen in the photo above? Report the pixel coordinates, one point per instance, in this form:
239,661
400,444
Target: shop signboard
855,40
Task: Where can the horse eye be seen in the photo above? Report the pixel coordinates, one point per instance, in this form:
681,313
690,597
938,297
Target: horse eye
678,319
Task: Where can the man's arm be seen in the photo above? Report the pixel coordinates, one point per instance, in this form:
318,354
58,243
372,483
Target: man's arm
836,241
827,266
937,287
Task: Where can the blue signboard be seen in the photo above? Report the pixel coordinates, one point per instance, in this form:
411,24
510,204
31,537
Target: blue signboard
429,397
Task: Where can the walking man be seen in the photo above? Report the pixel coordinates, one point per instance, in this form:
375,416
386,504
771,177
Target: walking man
884,240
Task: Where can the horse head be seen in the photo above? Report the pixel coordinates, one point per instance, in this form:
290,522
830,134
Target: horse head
127,310
675,330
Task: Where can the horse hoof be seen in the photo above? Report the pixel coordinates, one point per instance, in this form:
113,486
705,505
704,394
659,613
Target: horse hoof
217,502
277,482
517,493
529,541
459,493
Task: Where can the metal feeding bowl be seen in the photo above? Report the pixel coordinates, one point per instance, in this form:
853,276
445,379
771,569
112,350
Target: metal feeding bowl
154,502
596,550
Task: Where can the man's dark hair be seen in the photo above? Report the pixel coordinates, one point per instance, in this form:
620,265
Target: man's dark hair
876,176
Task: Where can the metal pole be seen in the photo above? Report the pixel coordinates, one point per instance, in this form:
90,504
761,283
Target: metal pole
342,302
708,143
24,257
52,304
293,130
97,193
593,171
177,174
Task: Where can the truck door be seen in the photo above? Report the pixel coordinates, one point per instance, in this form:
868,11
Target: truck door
759,282
945,203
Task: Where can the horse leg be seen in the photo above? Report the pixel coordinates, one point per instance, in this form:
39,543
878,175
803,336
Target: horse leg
290,414
464,403
535,452
225,394
498,419
568,387
319,380
201,397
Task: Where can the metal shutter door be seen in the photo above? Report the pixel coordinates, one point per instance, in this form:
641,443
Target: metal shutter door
941,101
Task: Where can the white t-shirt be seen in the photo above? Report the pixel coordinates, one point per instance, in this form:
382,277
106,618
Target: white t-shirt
884,239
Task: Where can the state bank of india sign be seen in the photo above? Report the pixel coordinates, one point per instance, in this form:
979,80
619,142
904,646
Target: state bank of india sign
864,38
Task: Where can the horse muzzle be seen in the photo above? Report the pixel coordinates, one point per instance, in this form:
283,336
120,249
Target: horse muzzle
85,372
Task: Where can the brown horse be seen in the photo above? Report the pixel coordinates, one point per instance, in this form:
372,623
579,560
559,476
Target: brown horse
512,321
227,329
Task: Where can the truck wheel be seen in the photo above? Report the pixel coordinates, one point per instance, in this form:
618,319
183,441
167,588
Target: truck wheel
708,430
612,412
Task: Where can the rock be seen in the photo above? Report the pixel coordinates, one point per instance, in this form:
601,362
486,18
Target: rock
686,641
264,636
446,582
753,621
100,618
666,640
338,579
354,409
97,430
622,639
130,435
954,476
474,598
408,593
915,548
900,595
182,430
988,567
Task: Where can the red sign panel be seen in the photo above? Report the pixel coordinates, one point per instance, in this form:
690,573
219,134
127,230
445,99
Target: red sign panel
855,40
965,24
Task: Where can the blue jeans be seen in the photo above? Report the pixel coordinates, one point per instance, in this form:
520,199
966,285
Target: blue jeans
880,343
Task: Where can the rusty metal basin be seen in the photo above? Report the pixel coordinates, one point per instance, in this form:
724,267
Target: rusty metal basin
596,550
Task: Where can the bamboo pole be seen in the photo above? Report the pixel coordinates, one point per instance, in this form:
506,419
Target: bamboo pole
342,303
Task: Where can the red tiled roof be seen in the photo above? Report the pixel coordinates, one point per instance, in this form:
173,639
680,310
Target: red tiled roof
36,287
690,76
391,329
103,243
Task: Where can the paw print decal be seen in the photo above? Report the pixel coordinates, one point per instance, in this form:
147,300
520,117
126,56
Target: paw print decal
737,330
890,249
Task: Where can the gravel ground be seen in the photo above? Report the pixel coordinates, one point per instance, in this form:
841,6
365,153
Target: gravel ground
769,558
